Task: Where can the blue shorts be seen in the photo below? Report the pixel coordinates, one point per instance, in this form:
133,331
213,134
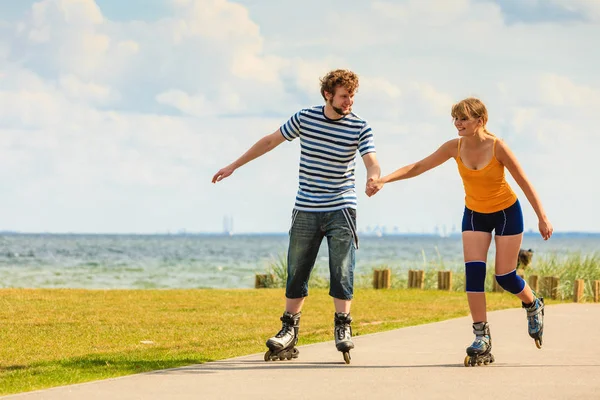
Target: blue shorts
505,222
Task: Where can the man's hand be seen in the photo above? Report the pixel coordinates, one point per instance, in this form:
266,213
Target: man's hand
373,186
223,173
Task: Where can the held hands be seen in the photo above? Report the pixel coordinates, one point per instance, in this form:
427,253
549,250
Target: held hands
545,228
374,185
223,173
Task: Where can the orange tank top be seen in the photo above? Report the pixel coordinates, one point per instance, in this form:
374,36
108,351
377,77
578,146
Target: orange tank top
486,189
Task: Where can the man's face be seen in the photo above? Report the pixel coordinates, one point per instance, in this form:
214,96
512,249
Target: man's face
341,101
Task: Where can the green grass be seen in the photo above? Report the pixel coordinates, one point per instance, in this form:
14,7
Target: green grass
568,268
52,337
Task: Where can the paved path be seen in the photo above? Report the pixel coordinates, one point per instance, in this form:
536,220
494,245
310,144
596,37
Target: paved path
422,362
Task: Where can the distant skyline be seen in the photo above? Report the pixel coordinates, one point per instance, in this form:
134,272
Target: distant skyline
114,115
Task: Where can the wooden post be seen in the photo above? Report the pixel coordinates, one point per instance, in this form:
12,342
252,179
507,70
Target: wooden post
387,279
376,274
263,280
596,291
420,279
416,279
578,287
445,280
382,278
533,283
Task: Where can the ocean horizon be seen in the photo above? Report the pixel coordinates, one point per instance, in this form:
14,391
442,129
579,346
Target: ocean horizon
220,260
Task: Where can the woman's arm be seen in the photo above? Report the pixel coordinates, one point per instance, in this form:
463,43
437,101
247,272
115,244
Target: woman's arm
509,160
441,155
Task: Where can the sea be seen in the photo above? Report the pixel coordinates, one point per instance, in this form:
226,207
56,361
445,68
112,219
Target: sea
167,261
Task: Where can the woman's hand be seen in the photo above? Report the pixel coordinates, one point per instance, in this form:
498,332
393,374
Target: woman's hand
373,186
545,228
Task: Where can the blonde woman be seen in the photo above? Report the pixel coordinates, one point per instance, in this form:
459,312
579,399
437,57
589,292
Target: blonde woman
491,206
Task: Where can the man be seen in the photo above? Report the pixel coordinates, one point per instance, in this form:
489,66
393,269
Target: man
325,204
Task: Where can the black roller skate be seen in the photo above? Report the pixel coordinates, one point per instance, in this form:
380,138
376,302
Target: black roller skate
343,334
480,351
283,345
535,320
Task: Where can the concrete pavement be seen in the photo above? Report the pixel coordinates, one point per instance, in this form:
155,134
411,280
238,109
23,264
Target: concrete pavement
422,362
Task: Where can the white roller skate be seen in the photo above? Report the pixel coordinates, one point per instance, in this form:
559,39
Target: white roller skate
343,334
282,346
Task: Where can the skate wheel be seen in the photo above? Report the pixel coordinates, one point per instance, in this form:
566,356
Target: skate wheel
467,361
282,356
268,355
295,353
479,362
492,359
486,362
538,343
347,357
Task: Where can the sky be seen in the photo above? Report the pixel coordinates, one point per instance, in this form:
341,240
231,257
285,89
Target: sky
115,115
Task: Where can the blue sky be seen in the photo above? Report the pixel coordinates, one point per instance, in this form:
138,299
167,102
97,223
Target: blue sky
114,115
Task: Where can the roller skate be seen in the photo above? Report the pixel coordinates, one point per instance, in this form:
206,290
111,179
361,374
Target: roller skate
283,345
535,320
480,351
343,334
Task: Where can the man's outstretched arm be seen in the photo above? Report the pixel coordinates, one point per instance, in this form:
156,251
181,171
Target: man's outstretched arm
259,148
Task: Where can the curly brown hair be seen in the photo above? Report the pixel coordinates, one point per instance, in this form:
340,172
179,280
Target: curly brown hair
339,77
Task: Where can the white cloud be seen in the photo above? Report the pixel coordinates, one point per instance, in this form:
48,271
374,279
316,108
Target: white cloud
589,8
556,90
197,105
85,91
86,108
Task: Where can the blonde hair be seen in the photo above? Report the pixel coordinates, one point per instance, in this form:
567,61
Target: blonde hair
471,108
339,77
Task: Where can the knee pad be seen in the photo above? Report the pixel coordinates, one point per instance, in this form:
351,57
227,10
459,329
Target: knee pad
511,282
475,276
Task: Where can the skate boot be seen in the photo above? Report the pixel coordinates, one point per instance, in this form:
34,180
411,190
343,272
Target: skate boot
343,334
535,320
283,345
479,352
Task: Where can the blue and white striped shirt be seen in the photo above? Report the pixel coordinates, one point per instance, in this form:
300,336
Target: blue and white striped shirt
327,160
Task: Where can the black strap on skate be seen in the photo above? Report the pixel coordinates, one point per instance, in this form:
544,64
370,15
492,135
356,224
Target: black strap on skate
531,313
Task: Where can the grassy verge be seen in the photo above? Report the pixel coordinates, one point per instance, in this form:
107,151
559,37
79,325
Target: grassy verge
58,337
567,267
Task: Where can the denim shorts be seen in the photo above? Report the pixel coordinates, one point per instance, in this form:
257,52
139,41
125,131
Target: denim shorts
505,222
306,234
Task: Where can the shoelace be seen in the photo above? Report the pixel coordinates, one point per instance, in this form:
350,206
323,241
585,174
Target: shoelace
342,331
285,329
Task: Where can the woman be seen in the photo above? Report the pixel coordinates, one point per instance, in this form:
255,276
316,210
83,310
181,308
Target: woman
491,205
